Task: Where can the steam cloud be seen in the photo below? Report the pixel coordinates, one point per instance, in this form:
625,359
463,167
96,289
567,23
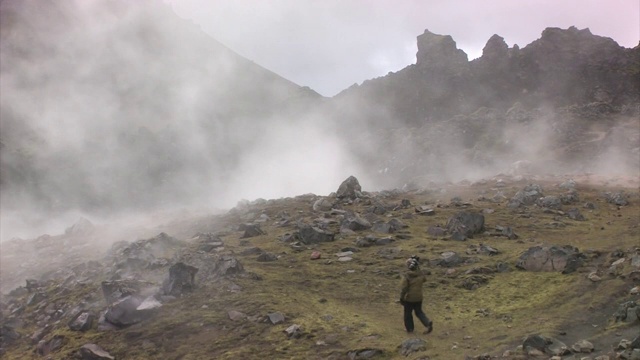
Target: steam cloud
120,107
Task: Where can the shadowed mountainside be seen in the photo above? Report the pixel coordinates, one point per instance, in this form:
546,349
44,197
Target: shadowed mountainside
114,104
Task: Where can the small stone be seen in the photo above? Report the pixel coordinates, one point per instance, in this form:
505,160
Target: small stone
276,318
236,315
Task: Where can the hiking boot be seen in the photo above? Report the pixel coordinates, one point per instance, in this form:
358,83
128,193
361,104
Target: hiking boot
429,328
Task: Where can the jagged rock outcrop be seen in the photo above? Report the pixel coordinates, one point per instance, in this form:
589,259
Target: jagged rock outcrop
439,53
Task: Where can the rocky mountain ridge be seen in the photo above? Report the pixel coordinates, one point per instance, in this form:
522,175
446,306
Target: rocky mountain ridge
563,67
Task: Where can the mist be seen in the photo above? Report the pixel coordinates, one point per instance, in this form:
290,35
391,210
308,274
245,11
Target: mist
118,107
115,111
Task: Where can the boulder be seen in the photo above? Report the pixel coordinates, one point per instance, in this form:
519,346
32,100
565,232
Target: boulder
313,235
82,321
228,265
362,354
124,312
322,204
617,198
628,312
235,315
465,224
294,331
8,334
550,202
349,189
575,214
570,197
527,196
436,231
410,346
250,230
276,318
355,222
267,257
536,342
551,258
208,242
94,352
46,347
583,346
181,279
450,259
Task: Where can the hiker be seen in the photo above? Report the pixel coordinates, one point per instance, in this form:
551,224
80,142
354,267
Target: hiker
411,295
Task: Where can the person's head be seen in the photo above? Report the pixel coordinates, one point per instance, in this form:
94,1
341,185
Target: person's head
413,262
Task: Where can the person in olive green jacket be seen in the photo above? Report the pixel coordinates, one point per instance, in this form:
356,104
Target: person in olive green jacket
411,295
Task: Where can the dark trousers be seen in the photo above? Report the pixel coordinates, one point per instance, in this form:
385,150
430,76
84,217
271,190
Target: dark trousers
416,307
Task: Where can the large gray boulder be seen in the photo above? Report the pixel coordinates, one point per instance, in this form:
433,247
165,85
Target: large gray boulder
125,312
465,224
322,204
181,279
410,346
349,189
313,235
355,222
527,196
82,321
545,345
250,230
551,258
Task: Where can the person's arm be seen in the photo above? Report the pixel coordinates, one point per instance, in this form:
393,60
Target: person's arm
404,286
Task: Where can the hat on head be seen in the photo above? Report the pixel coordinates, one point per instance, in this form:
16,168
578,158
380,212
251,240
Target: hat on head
413,262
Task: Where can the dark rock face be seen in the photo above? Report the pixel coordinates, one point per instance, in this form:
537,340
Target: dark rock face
181,279
553,258
439,52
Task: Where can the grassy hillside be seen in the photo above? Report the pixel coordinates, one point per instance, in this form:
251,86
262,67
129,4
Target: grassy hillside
343,307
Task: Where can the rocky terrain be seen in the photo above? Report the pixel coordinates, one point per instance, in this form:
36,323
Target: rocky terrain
519,267
514,177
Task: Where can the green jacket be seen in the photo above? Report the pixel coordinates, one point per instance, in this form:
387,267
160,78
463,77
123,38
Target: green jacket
412,286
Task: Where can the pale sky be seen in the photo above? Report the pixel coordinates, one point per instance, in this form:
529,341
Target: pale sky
329,45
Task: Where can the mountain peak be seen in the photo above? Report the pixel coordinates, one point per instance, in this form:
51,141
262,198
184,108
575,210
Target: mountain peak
439,51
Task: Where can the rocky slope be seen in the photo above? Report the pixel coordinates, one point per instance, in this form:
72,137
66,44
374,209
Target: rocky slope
519,267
